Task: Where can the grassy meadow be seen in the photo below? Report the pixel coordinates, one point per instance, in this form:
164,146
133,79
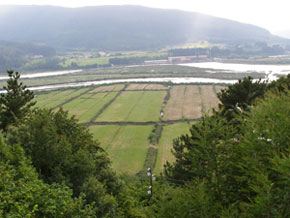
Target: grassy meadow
169,133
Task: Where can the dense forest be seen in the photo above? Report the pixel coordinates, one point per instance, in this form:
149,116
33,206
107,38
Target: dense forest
234,163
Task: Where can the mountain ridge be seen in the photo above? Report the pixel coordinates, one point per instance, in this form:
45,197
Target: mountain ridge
127,27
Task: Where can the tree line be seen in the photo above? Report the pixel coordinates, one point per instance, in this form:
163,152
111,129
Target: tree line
238,50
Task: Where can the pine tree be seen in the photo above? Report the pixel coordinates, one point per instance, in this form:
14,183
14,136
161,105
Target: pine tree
15,102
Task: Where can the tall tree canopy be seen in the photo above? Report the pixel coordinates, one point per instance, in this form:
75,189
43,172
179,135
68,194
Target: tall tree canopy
63,151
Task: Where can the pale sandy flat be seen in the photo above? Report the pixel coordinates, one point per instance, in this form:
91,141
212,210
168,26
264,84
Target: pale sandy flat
173,109
192,106
209,98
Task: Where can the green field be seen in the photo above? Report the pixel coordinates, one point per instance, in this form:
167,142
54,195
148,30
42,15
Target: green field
86,61
139,106
105,134
122,117
169,133
54,98
126,146
88,105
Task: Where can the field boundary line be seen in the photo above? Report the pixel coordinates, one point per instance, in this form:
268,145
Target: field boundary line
71,99
183,100
201,100
150,161
146,90
164,103
113,138
180,121
133,123
121,123
106,106
214,89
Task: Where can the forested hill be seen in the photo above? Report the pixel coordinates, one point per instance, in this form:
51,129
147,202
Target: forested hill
14,55
120,27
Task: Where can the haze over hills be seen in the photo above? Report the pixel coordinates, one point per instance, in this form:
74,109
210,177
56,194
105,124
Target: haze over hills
121,27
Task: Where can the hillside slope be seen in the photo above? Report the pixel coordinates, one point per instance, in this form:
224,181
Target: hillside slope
119,27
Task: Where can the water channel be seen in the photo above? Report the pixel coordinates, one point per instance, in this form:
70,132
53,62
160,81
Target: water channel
271,70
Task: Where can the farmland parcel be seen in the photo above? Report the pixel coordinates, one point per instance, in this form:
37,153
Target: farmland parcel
122,117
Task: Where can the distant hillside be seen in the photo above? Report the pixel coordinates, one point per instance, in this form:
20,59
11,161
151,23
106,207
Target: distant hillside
13,55
119,27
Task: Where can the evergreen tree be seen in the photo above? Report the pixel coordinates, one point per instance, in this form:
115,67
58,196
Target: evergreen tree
15,102
240,96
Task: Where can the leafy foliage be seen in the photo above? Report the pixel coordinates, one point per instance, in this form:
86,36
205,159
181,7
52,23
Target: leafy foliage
280,85
64,152
244,168
242,94
155,134
22,194
200,153
192,200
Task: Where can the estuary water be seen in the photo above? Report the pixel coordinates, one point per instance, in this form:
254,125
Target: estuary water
270,70
44,74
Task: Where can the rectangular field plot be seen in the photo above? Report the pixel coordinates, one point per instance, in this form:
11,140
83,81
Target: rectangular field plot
54,98
108,88
42,99
126,145
135,106
86,106
184,102
209,98
174,107
192,103
165,145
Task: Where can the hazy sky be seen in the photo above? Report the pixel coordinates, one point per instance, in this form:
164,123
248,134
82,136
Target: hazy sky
271,14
